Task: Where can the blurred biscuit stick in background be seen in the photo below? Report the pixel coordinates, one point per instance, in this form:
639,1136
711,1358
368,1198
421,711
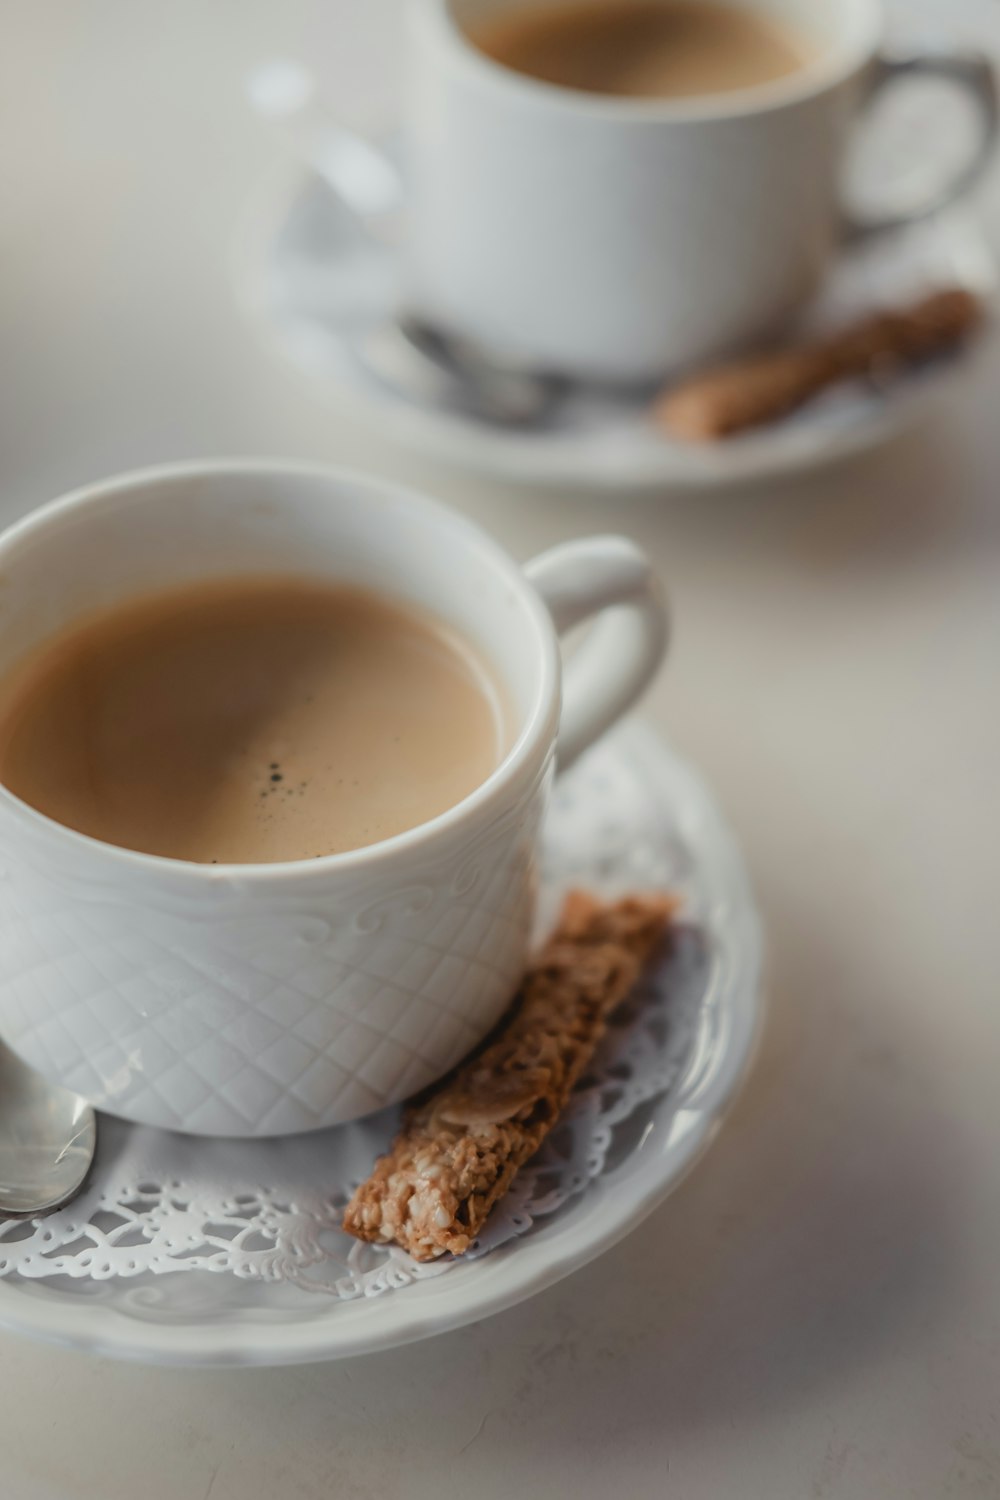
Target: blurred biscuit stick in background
750,392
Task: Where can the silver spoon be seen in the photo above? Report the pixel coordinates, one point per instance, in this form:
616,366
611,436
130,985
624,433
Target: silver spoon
425,364
433,368
47,1141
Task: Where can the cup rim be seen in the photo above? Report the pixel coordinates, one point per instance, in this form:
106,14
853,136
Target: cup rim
534,742
833,67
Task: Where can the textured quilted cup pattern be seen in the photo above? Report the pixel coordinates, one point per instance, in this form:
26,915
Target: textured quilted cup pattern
251,1012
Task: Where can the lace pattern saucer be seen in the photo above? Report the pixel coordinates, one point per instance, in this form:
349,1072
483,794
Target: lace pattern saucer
199,1251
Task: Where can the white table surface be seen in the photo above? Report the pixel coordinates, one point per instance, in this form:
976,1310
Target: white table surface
816,1312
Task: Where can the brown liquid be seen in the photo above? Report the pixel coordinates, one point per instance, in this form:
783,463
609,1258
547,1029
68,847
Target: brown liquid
255,720
641,48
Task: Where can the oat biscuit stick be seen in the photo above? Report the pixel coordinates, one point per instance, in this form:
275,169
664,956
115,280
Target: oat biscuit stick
749,392
462,1145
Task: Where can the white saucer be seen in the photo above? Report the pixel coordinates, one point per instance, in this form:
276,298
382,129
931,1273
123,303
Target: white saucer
194,1251
317,288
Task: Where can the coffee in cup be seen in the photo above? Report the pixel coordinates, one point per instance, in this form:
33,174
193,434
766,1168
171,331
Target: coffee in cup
250,721
643,49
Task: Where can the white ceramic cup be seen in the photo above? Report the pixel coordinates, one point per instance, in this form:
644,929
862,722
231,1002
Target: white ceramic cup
617,238
265,999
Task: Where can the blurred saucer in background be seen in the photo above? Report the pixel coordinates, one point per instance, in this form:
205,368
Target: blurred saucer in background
323,293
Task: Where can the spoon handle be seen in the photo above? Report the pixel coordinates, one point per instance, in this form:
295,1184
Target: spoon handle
47,1141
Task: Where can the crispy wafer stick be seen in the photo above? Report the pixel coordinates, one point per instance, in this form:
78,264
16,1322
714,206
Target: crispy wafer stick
462,1145
750,392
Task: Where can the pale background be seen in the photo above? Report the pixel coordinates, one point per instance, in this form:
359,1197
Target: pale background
816,1312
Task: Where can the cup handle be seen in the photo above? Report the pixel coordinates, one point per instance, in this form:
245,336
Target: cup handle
973,73
607,576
